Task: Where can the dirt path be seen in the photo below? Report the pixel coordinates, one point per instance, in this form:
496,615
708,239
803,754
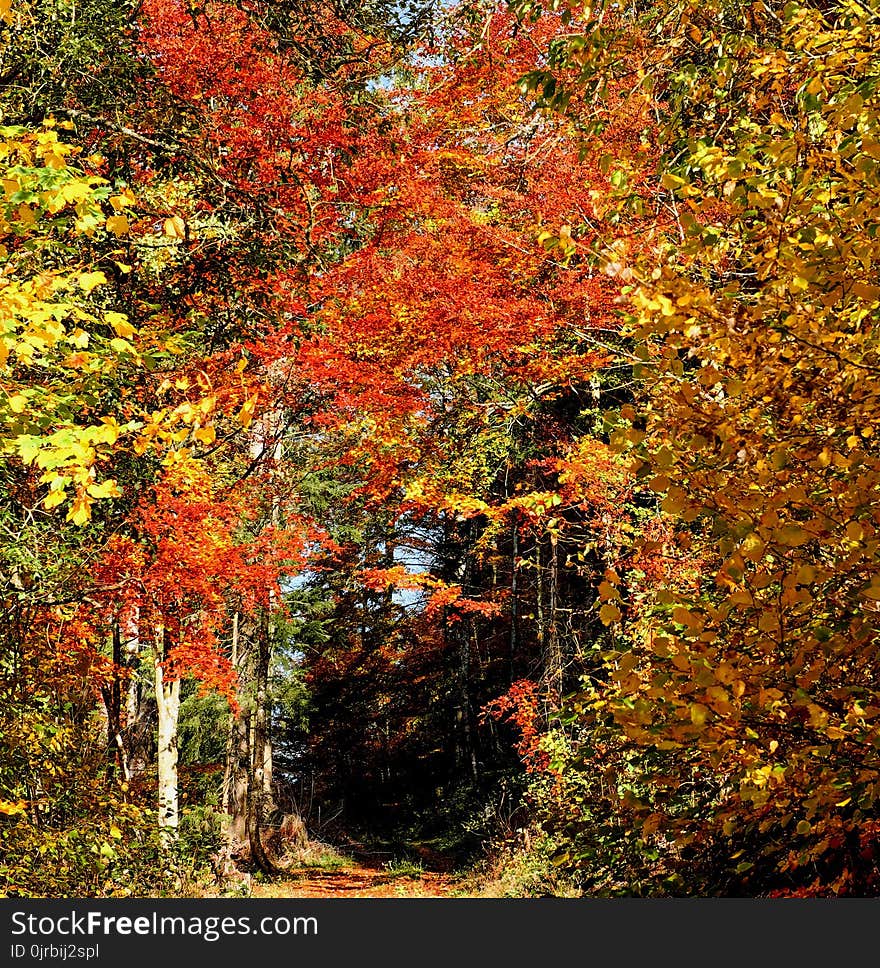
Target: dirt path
358,881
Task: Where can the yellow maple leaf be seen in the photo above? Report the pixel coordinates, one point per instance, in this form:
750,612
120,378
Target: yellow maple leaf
117,224
9,807
88,280
81,510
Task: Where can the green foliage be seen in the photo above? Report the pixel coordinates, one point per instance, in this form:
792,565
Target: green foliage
50,49
201,839
202,725
114,853
524,865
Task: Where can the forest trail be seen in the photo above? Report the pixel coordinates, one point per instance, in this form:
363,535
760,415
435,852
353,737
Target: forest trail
358,880
362,872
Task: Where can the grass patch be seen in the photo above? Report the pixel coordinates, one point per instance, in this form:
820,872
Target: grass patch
319,856
519,868
394,869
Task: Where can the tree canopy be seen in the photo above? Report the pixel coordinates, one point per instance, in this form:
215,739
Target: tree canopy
449,424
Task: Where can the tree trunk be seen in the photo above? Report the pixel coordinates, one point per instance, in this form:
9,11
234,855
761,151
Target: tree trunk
168,704
262,750
112,696
137,733
258,799
554,649
260,771
235,777
131,632
235,788
514,599
459,632
468,746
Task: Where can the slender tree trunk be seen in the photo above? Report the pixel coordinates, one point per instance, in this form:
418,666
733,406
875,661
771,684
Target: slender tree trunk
539,601
235,800
230,735
235,776
465,744
168,703
263,712
131,631
258,799
260,771
112,696
514,599
554,649
261,716
264,707
268,772
135,732
468,745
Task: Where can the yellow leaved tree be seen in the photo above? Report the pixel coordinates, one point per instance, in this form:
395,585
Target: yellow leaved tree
59,350
748,676
758,329
68,363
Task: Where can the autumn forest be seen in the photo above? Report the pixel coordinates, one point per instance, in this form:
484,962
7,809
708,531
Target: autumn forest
440,448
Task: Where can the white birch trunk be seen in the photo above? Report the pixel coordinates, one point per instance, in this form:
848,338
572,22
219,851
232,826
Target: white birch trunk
132,644
168,704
